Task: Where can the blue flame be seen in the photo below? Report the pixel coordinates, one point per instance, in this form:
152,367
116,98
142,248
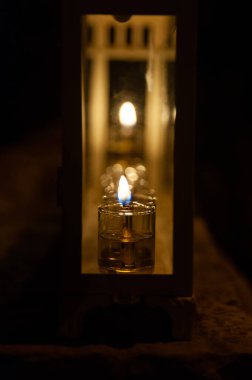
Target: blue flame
124,193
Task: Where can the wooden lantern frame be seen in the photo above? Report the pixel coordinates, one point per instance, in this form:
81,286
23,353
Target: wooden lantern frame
81,291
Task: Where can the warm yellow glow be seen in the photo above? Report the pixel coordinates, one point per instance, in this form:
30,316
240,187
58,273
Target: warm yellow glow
124,193
131,174
127,114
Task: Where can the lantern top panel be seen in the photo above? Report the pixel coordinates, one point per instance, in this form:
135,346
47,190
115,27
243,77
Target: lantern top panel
130,7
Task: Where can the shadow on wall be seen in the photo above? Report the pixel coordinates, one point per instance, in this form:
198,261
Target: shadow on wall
30,66
224,133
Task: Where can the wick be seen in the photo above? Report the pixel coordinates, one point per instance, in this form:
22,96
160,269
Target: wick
126,232
125,203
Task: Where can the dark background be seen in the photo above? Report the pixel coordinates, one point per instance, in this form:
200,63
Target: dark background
31,98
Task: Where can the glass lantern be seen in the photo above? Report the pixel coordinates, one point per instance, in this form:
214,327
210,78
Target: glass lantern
129,111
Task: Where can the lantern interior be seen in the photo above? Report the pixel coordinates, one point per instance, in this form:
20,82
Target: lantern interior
129,112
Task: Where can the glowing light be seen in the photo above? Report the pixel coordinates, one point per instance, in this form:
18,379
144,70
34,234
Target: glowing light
117,169
141,169
124,193
127,114
131,174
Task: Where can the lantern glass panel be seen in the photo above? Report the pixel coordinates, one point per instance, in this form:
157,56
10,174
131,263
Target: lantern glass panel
129,111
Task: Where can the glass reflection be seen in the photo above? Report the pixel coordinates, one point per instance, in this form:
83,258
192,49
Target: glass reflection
130,111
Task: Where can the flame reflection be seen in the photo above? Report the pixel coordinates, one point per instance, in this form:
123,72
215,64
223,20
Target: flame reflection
127,114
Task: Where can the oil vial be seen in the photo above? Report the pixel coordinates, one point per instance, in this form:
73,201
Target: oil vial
126,237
